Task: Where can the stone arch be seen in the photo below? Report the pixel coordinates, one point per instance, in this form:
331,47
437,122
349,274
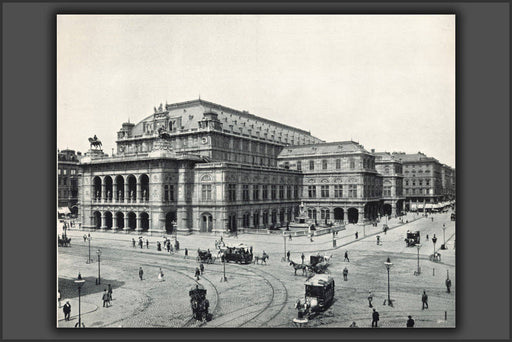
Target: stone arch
144,221
338,214
132,220
107,180
96,194
353,215
120,219
386,209
132,188
119,196
144,187
108,219
170,221
96,219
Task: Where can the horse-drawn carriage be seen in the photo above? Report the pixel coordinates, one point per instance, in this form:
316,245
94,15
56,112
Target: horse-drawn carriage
318,263
240,254
412,238
319,291
205,256
64,241
198,302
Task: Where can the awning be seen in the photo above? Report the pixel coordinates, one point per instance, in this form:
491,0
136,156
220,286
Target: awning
64,210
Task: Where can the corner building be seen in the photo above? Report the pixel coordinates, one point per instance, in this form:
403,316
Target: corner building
193,166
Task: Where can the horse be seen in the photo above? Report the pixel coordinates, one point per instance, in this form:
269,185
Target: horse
296,267
95,142
263,259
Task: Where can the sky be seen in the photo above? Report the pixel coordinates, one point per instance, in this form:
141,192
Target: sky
385,81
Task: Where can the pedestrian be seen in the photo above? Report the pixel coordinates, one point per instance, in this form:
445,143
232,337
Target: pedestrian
58,298
221,239
424,300
186,253
160,275
290,236
109,293
288,255
410,322
201,268
198,272
345,273
105,298
141,273
133,242
147,244
140,242
357,235
177,245
378,240
346,257
448,283
85,238
168,247
432,218
67,310
353,325
370,299
375,318
302,257
427,237
158,246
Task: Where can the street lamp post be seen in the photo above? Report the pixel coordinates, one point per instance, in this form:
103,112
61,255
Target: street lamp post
98,252
418,272
444,236
89,238
284,240
333,240
388,265
79,282
434,240
224,278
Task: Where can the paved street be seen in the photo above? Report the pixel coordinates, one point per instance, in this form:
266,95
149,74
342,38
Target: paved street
262,295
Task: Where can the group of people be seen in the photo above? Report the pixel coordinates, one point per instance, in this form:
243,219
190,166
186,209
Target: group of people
140,243
107,297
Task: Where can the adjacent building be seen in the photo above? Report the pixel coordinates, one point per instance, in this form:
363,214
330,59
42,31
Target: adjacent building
391,170
68,170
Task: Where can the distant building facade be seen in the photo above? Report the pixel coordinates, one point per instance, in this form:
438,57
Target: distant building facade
68,171
392,183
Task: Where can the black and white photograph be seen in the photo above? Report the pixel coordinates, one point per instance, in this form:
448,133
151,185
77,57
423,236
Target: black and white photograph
256,171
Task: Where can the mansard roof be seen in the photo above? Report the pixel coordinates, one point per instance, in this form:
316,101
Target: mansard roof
337,147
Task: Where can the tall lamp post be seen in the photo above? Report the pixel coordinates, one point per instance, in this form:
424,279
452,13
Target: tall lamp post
98,252
224,267
388,265
89,238
284,240
444,236
418,272
79,282
434,240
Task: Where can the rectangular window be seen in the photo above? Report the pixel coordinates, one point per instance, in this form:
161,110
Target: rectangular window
311,164
73,171
245,192
265,192
312,191
299,165
60,171
206,192
352,164
324,164
427,183
273,192
231,192
338,191
171,192
324,191
281,191
338,164
166,193
352,191
296,191
255,192
289,192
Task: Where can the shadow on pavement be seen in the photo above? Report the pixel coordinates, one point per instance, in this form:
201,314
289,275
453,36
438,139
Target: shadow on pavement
68,288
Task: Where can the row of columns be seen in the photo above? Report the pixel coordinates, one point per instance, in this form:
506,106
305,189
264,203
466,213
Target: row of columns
260,218
138,226
116,196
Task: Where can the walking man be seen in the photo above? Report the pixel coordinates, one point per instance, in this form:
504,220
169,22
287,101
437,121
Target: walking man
109,293
375,318
288,255
410,322
141,273
133,242
424,300
201,268
105,298
346,256
67,310
345,273
147,244
302,257
370,299
448,283
186,253
357,235
198,272
378,240
158,246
